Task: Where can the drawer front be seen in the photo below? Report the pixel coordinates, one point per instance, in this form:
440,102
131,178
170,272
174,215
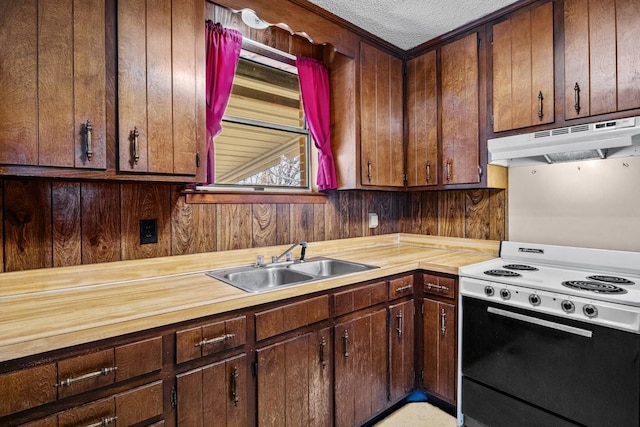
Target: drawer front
437,285
87,372
138,358
359,298
210,338
400,287
27,388
140,404
283,319
101,412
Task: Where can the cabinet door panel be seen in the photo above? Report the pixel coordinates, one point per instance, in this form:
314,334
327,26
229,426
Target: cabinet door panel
576,58
225,393
18,83
542,80
401,348
522,100
628,34
447,351
430,344
140,404
502,87
90,414
602,42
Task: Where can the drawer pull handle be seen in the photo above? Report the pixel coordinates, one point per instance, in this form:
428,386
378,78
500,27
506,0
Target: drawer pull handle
323,345
345,343
438,287
90,375
404,288
400,327
234,386
215,340
104,422
88,128
443,319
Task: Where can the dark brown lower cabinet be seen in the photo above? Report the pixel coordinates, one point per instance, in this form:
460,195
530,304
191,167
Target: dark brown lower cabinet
401,350
439,351
294,382
361,363
214,395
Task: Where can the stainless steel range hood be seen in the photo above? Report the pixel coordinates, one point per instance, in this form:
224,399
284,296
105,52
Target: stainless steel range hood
612,138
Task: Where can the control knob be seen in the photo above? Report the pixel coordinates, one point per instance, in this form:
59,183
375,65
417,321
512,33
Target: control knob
567,306
488,291
534,300
590,310
505,294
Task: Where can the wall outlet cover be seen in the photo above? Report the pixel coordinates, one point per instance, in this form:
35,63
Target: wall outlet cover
148,231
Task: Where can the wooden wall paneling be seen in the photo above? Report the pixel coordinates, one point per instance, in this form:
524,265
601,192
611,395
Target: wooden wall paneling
602,37
451,211
302,222
27,225
264,219
628,34
283,221
18,83
66,219
55,83
383,203
477,214
356,214
332,219
403,200
319,220
144,201
497,214
1,226
101,234
193,225
429,210
233,226
343,214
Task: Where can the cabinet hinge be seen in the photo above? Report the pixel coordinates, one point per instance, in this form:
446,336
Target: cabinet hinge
491,39
491,120
480,171
174,397
254,367
479,42
404,177
422,309
197,160
422,375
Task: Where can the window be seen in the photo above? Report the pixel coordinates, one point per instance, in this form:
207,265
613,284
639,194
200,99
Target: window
264,140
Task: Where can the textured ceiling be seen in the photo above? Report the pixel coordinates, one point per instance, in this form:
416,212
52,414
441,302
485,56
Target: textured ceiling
409,23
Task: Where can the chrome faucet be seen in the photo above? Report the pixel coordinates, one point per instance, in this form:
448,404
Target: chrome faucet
287,253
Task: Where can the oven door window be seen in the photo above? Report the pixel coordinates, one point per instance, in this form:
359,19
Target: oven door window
586,373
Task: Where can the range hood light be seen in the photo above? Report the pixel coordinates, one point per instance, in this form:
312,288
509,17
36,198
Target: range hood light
613,138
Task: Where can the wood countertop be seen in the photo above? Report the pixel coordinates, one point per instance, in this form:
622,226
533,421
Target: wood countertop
48,309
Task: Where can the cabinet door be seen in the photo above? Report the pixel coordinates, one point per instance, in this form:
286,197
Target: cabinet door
159,89
460,137
422,121
360,368
294,379
401,350
439,349
214,395
600,56
523,92
52,112
381,126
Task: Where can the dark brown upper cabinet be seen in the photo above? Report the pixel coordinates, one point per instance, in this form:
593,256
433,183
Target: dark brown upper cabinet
523,73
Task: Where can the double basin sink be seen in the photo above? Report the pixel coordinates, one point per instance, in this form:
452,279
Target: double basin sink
269,277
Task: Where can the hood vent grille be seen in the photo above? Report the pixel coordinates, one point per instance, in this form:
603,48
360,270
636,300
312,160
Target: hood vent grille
613,138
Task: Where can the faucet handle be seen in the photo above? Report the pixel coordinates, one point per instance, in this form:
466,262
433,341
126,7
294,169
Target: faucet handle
259,260
288,257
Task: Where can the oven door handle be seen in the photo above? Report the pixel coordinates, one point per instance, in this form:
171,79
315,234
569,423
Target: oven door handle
541,322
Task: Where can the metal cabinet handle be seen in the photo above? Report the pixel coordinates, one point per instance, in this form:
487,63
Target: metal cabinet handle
400,327
576,96
215,340
323,344
104,422
449,169
540,98
403,288
441,288
369,175
428,168
136,152
88,128
234,386
345,343
90,375
443,319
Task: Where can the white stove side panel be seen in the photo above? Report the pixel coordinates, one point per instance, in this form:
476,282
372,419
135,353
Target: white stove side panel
594,204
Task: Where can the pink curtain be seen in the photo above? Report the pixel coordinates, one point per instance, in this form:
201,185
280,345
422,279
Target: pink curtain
314,87
223,50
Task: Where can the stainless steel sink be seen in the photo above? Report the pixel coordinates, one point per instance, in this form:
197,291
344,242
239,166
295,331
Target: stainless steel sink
328,267
265,278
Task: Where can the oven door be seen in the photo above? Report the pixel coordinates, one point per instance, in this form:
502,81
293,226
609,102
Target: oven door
520,366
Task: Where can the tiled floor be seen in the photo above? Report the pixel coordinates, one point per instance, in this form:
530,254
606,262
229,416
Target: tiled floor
418,414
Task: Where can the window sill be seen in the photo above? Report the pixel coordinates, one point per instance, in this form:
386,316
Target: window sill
205,197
